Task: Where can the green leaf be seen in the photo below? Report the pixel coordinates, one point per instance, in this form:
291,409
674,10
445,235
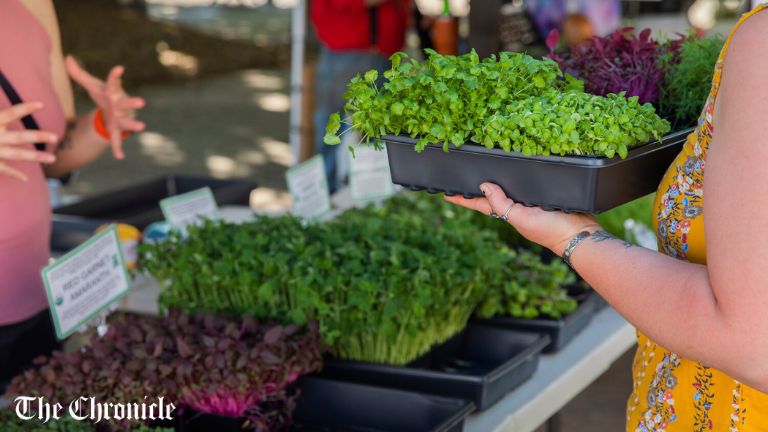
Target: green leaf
397,108
332,139
622,151
331,129
371,76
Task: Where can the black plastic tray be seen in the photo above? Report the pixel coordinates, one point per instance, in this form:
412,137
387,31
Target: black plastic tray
481,364
196,422
572,184
562,331
335,406
137,205
68,232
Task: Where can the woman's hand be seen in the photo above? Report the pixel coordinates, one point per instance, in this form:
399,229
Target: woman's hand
119,109
551,229
11,142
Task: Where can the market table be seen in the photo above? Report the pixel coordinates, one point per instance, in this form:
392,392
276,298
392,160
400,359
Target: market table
560,377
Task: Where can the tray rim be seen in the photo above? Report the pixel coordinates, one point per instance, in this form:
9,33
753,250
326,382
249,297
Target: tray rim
595,162
467,406
540,342
167,178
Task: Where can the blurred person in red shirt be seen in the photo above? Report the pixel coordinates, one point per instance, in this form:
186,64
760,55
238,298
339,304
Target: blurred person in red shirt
355,36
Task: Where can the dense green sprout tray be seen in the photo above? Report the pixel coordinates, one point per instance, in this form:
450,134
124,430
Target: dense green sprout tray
560,331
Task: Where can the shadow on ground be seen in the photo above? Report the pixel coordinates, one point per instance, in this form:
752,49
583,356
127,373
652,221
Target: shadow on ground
229,126
601,407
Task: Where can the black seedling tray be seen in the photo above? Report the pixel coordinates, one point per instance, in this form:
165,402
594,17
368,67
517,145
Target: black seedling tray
335,406
68,232
192,421
562,331
138,205
481,364
572,183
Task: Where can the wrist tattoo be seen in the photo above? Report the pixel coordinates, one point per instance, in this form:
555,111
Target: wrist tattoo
601,236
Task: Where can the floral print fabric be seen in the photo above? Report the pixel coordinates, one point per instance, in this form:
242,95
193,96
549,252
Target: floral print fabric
673,394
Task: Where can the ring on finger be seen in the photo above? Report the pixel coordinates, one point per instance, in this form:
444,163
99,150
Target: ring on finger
494,215
505,216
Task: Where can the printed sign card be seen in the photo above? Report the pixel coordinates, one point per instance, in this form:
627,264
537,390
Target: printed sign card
309,189
370,178
86,281
190,208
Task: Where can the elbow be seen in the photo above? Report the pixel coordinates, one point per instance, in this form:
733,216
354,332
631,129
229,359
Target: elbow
750,364
57,172
756,371
752,376
51,171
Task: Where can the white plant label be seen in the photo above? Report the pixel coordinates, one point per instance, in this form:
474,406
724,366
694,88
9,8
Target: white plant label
370,178
86,281
190,208
309,189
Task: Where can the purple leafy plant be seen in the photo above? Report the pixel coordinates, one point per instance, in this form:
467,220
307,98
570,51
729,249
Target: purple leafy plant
623,61
124,366
212,365
242,369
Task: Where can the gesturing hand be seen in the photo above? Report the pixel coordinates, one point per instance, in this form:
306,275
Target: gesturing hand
11,142
118,108
551,229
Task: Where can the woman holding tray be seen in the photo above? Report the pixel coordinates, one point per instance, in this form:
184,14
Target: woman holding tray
700,307
40,136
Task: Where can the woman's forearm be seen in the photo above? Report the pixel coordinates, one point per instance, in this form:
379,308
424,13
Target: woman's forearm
81,146
672,302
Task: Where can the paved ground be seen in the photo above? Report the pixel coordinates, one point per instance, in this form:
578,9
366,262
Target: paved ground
601,407
229,126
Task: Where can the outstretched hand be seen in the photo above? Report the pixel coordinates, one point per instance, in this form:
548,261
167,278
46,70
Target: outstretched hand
551,229
118,108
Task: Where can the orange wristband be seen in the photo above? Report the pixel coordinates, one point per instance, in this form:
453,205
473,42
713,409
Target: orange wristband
101,129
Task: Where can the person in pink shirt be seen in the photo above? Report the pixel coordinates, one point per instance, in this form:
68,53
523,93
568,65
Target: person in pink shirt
42,137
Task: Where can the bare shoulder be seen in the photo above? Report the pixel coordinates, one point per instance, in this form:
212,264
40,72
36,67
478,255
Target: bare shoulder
743,101
751,39
747,58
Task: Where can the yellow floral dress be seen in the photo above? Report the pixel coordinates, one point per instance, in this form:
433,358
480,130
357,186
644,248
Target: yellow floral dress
670,393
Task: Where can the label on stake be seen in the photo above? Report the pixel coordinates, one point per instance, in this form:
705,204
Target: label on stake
190,208
308,186
84,282
370,178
